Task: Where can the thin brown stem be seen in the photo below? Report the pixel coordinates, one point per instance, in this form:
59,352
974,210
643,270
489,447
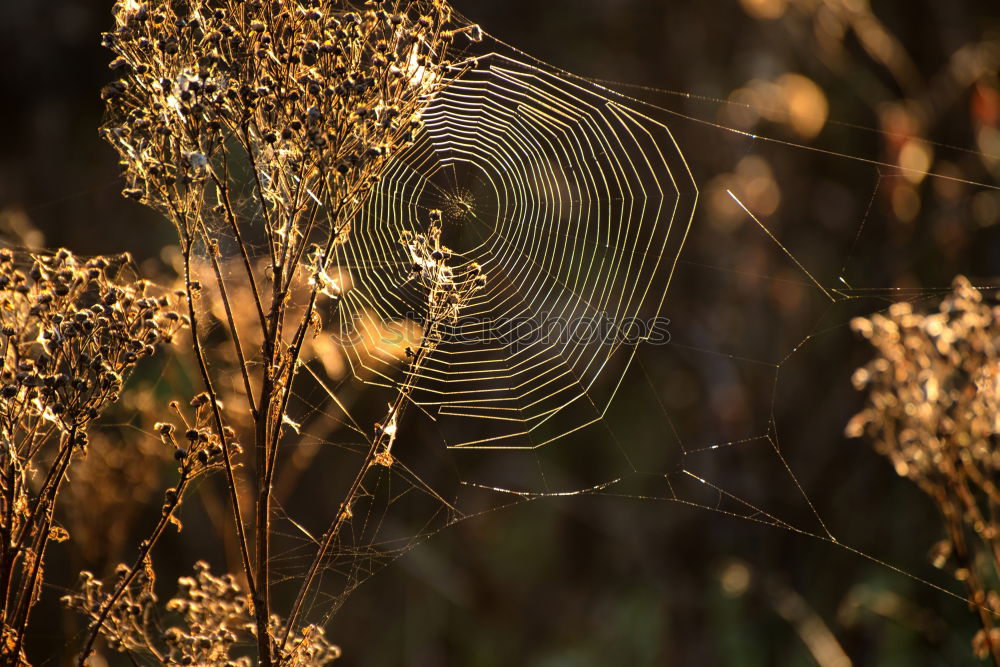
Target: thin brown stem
241,245
217,416
22,610
233,330
378,443
145,547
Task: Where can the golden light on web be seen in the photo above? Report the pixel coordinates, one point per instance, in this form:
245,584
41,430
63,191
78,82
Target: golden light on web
384,340
988,142
329,354
742,110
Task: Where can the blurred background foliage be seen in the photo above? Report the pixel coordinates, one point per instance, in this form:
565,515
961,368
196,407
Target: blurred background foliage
598,580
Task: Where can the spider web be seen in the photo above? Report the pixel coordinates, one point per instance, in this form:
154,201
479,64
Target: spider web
574,206
576,202
589,206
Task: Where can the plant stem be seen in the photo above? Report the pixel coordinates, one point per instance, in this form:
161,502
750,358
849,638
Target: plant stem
145,547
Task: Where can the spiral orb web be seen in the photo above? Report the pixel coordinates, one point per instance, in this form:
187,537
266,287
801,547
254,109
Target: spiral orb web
574,206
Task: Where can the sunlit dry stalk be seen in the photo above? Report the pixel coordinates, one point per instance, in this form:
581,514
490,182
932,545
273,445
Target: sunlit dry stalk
934,411
307,102
199,453
72,333
446,291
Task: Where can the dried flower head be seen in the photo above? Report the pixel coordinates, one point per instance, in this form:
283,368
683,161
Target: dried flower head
196,444
933,399
206,623
933,409
129,622
73,330
317,95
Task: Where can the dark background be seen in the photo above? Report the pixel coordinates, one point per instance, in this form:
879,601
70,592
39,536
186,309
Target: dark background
604,580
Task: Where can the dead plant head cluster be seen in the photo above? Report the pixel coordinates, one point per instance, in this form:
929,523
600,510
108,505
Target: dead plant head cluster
73,331
933,405
316,95
210,621
258,128
934,411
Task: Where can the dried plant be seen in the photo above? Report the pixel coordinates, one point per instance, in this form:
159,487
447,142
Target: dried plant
300,105
258,128
72,333
934,411
213,616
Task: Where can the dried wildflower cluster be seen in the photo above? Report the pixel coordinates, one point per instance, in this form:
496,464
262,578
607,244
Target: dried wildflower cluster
934,411
317,95
259,127
197,447
72,332
933,400
445,289
206,623
128,627
203,447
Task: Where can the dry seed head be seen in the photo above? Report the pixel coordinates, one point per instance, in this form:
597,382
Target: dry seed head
933,411
213,616
74,331
324,89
